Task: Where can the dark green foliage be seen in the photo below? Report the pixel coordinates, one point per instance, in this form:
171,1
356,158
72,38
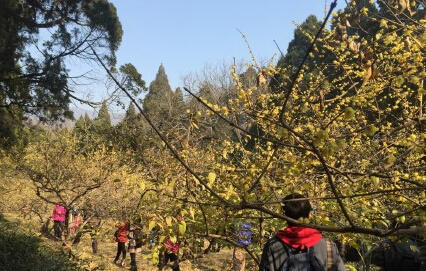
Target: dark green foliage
103,120
37,81
102,14
129,133
10,126
158,100
101,126
299,45
83,124
295,52
132,79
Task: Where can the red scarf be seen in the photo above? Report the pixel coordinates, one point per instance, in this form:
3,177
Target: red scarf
299,237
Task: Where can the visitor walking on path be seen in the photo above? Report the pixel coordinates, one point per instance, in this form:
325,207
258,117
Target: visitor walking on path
243,236
135,244
171,253
121,239
298,247
58,217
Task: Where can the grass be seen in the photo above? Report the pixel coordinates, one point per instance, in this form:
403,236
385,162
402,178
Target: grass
21,249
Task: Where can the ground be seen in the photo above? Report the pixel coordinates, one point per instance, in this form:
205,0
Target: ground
23,248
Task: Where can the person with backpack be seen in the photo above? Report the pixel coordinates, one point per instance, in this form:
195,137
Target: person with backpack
297,247
121,239
58,217
135,243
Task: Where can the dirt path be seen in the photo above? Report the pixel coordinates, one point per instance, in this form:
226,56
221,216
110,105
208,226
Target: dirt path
212,262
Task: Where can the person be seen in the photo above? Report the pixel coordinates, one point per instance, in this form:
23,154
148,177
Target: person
58,217
92,226
298,247
75,220
243,236
135,243
121,239
171,253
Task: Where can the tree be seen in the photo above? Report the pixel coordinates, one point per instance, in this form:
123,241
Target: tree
37,81
159,99
62,174
101,125
297,48
130,132
364,173
132,79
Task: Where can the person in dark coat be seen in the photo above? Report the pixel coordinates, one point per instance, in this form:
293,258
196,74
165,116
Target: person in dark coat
299,239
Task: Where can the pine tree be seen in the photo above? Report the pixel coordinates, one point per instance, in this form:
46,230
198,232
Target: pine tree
102,123
103,116
299,45
296,51
160,92
83,124
158,103
129,133
178,102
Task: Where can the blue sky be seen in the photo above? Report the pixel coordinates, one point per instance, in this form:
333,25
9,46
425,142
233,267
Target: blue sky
185,35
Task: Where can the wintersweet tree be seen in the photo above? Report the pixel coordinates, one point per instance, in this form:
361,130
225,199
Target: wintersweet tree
62,173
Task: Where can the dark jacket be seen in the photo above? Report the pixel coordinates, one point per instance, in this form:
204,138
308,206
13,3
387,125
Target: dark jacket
274,252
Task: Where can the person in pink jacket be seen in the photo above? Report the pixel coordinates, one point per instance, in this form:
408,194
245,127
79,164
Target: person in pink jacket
58,217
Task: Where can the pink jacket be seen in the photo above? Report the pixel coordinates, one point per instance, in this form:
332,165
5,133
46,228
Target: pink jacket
59,213
170,246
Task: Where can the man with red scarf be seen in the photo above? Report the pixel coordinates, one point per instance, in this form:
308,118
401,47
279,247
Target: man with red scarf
298,247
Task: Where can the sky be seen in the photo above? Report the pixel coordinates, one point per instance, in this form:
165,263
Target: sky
185,35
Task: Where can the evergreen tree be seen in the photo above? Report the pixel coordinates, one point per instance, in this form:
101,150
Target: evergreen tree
132,79
38,83
129,133
79,124
158,102
296,50
131,114
102,123
178,102
103,117
83,124
10,126
299,45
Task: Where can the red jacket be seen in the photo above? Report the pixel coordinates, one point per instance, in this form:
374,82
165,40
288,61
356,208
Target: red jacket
170,246
121,234
299,237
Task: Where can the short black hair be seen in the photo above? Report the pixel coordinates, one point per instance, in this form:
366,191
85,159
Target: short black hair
296,206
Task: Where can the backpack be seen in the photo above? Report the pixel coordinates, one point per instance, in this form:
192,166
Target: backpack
400,256
138,236
305,260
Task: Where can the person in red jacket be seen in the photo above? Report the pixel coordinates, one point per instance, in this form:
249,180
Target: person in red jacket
121,239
